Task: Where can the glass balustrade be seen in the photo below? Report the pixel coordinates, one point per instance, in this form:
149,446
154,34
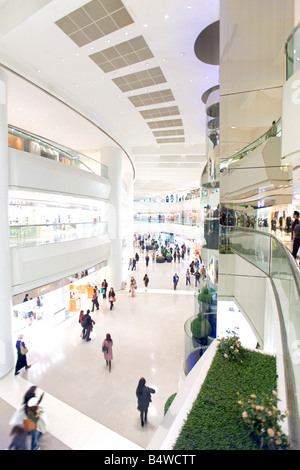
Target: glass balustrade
192,220
274,131
23,140
292,50
268,254
33,235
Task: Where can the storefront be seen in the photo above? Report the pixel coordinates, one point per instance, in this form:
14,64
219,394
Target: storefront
36,219
48,306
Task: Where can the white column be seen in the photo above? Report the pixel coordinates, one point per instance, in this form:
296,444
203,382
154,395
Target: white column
6,347
112,158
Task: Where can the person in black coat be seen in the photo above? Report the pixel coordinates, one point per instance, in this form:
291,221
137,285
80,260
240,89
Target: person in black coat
21,359
143,394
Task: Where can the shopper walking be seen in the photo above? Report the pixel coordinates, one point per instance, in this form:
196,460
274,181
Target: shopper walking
95,300
147,259
87,323
32,412
31,393
143,394
146,281
111,297
21,351
203,272
197,277
132,286
107,350
104,287
175,280
187,277
19,441
296,241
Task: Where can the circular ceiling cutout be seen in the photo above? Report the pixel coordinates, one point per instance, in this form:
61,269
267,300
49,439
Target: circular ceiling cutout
206,94
207,44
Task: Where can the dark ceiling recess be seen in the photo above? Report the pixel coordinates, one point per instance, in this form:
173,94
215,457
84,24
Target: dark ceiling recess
207,44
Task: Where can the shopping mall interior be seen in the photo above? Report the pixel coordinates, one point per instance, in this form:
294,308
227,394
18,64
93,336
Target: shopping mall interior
154,138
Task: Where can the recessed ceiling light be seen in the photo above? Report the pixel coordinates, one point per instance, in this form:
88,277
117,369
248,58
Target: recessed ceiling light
145,26
126,33
167,17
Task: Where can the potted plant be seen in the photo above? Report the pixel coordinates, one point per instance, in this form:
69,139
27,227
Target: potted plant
201,329
160,259
169,257
205,299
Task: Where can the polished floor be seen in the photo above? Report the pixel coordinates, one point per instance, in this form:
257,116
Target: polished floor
89,407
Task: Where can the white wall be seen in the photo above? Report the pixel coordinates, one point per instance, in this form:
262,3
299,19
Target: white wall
33,172
39,265
246,284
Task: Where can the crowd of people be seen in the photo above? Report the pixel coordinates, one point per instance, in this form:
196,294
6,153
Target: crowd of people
30,421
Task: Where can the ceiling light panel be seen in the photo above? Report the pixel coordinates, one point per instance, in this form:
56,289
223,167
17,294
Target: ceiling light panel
94,20
167,123
142,79
156,97
124,54
160,112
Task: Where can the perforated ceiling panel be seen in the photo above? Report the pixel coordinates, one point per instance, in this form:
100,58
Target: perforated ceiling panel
142,79
124,54
160,112
169,132
168,123
94,20
156,97
176,140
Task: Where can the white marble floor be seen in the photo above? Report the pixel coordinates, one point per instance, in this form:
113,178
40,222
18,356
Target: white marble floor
88,407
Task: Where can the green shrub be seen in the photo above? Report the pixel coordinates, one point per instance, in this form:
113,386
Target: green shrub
200,327
169,402
215,421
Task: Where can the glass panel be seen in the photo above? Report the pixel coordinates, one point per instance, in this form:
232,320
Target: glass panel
32,235
274,131
27,142
293,53
251,245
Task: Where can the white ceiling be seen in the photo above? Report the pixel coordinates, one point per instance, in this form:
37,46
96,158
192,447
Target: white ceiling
34,47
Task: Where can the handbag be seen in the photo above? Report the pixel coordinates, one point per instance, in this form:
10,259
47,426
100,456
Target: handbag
105,349
29,425
23,350
114,299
